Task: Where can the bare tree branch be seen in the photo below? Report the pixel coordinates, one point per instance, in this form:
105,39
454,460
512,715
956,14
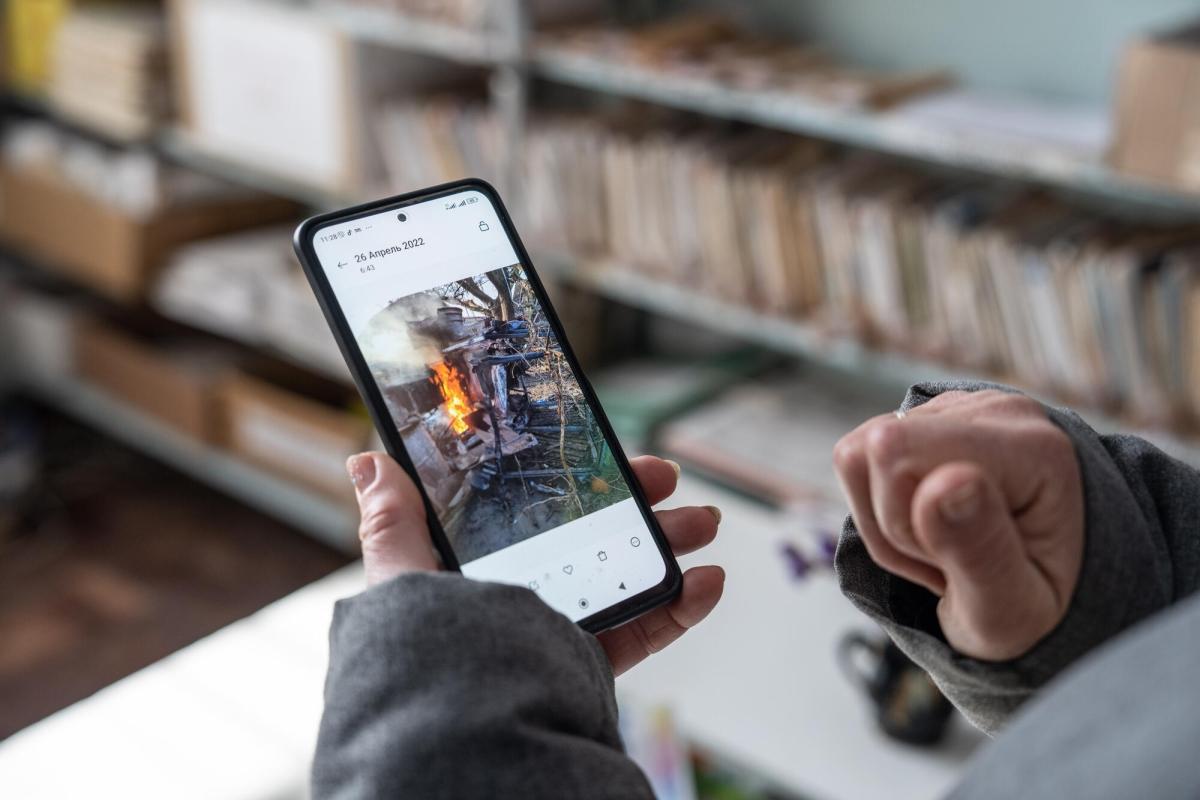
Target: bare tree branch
467,302
491,302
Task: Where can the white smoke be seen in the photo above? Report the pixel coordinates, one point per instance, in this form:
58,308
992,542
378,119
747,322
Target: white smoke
394,352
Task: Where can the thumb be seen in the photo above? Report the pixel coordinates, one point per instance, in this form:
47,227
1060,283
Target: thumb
392,526
997,604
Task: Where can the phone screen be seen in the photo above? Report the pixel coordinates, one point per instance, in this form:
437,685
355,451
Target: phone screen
522,478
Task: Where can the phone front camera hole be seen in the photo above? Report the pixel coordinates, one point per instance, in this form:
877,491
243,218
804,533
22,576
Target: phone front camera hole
402,217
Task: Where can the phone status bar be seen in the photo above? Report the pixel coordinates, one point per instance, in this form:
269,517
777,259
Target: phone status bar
470,200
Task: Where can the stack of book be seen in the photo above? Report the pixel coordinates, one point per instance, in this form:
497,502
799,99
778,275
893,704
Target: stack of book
1003,280
425,142
134,181
479,15
636,185
460,13
247,286
109,69
705,48
719,208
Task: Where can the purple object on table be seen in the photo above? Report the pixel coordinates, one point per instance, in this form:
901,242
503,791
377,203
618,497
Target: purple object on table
829,543
797,562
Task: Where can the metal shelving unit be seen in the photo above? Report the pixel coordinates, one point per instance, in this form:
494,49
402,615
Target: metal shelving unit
324,519
404,32
512,62
886,132
624,284
513,59
831,350
181,146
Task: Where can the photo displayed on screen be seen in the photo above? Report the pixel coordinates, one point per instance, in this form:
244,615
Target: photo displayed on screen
490,411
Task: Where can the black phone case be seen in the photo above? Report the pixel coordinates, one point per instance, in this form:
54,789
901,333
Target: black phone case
602,620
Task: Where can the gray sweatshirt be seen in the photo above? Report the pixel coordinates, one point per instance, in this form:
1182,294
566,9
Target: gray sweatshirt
1141,554
441,687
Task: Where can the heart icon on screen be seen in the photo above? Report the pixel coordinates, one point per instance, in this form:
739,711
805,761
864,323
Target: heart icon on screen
568,569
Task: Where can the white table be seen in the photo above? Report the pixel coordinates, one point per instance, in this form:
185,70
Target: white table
232,716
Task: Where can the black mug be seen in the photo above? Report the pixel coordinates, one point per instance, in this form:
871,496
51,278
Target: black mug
908,705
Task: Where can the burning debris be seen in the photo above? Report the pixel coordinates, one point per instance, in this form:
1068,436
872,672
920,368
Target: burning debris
492,417
458,405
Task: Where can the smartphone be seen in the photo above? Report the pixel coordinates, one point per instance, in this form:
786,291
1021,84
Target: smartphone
473,387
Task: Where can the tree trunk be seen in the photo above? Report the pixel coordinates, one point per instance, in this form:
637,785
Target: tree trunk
505,300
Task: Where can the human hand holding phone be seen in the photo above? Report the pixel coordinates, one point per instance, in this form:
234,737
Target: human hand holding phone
396,540
466,371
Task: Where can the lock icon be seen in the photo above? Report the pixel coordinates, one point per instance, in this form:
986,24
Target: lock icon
483,226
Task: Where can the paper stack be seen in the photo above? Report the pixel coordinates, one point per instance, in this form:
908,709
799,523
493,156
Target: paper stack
109,71
460,13
705,49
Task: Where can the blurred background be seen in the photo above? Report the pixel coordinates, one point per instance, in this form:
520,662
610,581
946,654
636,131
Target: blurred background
761,221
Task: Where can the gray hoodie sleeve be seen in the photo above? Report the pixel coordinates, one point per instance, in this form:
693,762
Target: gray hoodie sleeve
1141,553
442,687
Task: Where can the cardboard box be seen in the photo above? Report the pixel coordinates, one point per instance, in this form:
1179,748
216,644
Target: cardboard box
1158,110
268,84
102,247
173,380
303,429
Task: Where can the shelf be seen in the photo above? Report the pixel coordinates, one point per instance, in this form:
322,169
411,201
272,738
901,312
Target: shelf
891,371
406,32
42,105
331,368
620,283
625,285
185,148
324,520
896,132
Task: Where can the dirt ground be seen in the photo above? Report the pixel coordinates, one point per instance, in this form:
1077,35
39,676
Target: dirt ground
536,504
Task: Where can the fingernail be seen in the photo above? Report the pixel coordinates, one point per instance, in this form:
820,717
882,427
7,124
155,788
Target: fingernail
716,512
674,466
362,470
961,504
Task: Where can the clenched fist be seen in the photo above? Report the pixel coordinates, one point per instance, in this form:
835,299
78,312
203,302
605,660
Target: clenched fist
977,497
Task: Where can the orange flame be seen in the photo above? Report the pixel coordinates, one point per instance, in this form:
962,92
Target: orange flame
457,405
